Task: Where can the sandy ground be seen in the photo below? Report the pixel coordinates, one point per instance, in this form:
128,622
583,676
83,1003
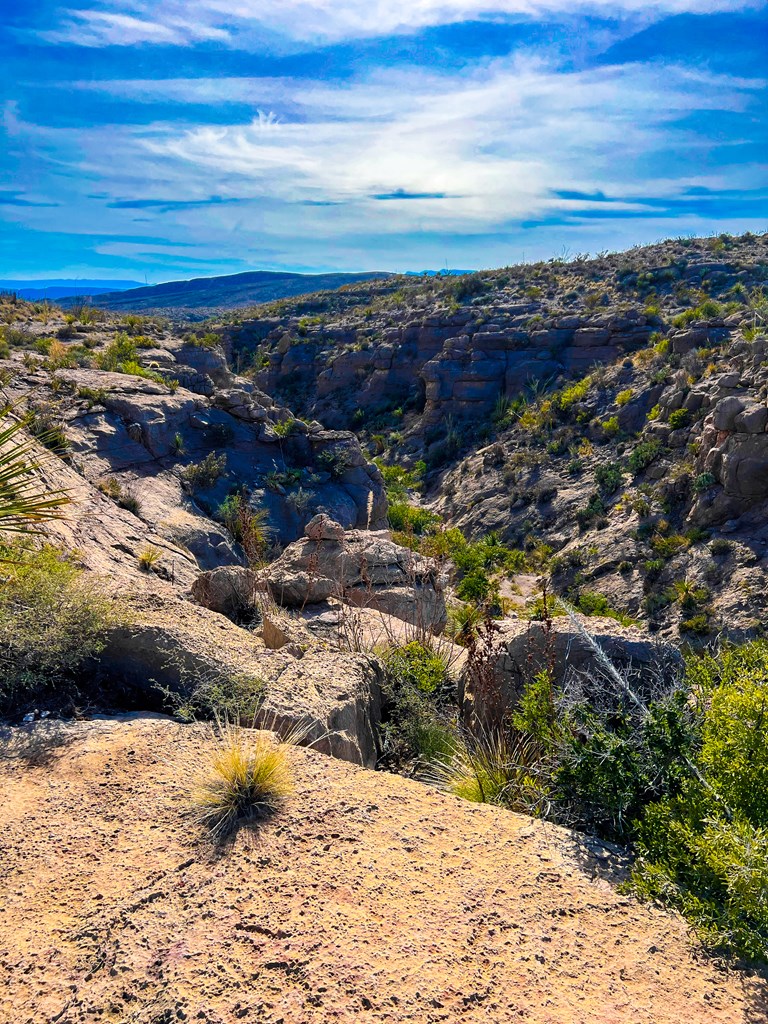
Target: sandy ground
367,898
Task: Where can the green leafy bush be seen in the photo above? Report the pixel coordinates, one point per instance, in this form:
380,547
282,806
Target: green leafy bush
52,619
609,477
704,850
591,603
644,454
417,724
594,509
417,665
334,461
406,518
703,481
201,475
678,418
476,587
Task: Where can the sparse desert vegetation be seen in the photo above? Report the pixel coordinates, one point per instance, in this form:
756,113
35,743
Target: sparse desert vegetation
547,599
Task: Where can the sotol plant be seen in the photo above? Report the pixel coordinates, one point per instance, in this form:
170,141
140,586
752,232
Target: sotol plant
24,503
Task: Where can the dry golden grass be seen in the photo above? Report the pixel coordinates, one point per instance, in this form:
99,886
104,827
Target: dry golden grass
243,776
496,768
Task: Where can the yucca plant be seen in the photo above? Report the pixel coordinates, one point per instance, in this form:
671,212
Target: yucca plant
24,504
495,766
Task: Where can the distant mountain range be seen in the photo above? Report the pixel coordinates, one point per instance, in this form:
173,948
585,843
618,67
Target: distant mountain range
58,288
227,292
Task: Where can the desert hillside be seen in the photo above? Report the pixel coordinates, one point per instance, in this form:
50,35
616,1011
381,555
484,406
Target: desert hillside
367,897
486,556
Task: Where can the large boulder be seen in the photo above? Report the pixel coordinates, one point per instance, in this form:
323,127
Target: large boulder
496,675
172,646
229,590
361,567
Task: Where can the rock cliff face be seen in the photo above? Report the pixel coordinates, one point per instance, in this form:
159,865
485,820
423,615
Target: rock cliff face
452,347
454,364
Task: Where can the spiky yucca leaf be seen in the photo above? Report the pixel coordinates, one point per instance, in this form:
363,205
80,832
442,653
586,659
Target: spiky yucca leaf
24,504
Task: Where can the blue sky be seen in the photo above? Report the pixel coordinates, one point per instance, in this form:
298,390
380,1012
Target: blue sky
158,139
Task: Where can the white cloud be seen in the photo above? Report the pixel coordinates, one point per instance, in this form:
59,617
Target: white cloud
495,144
179,22
499,143
127,28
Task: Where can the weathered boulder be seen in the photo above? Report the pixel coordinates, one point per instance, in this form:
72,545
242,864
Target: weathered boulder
229,590
361,567
322,527
494,680
171,645
725,413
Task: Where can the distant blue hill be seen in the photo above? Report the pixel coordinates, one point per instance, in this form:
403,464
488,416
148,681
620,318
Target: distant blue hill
61,288
228,292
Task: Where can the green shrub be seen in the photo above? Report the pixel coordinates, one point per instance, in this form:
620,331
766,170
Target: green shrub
406,518
235,698
591,603
703,481
613,762
704,850
609,477
417,665
201,475
284,429
120,356
334,461
697,624
678,418
416,721
594,509
644,454
52,619
476,587
120,350
398,480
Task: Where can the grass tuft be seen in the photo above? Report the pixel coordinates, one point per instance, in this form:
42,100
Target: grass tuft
245,777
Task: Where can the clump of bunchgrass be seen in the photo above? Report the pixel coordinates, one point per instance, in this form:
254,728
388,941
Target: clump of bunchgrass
494,766
149,558
244,775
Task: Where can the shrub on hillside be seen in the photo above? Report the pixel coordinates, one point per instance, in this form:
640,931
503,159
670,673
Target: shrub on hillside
644,454
201,475
416,723
52,619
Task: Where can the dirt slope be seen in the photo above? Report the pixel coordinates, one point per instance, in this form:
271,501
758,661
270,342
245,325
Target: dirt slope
368,898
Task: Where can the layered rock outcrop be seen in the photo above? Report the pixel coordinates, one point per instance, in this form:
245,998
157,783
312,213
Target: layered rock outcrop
330,697
363,568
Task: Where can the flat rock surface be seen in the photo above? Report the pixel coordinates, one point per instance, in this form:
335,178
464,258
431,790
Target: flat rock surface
368,897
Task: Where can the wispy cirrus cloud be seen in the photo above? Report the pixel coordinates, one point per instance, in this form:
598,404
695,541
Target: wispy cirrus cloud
399,151
320,22
338,134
